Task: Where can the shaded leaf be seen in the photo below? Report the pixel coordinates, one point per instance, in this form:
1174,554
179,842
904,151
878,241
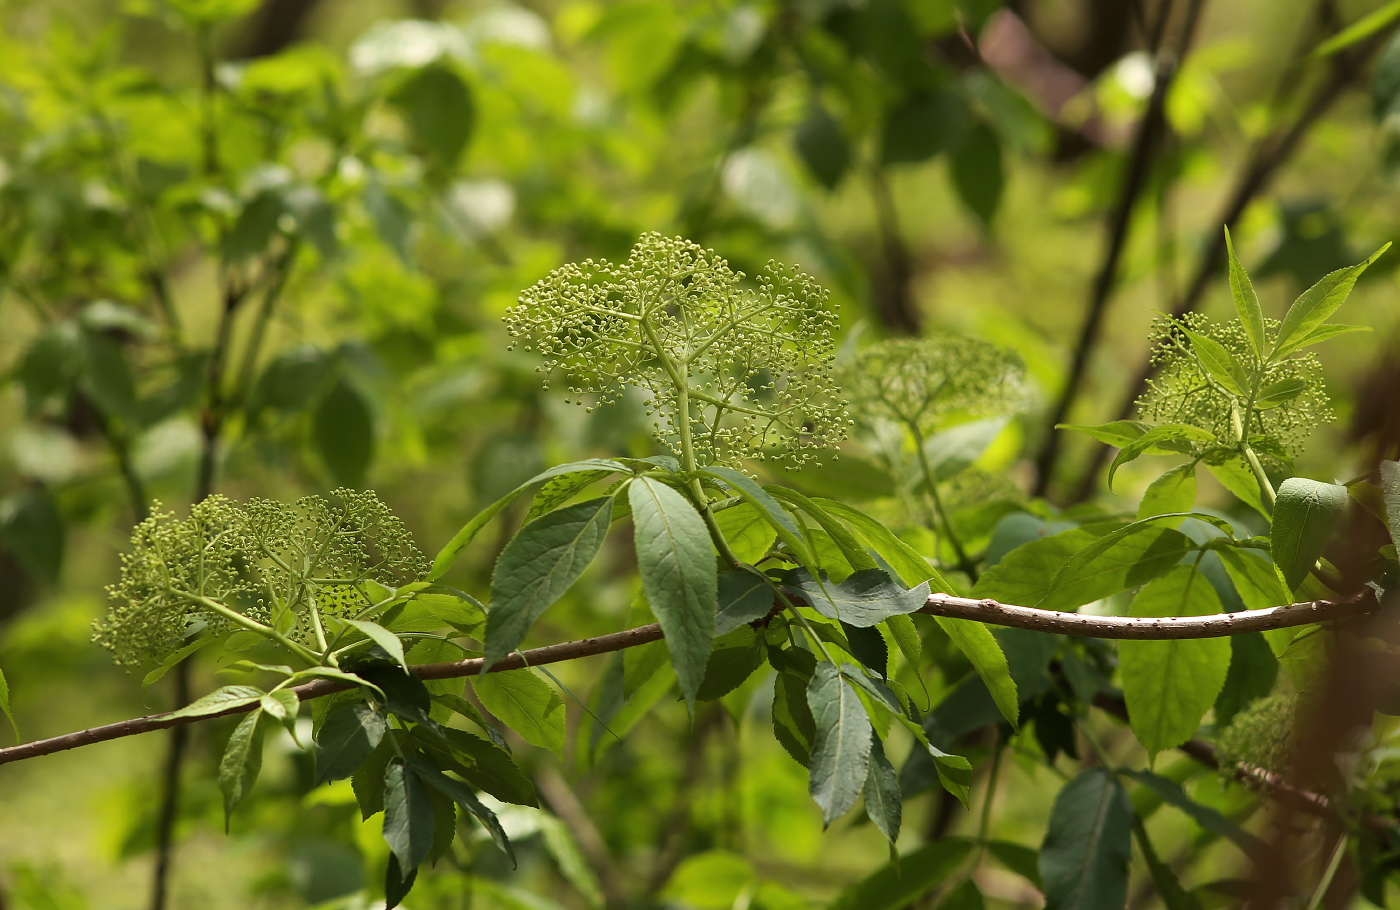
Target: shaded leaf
980,647
882,797
743,597
1169,685
242,760
346,738
863,600
439,109
526,704
841,748
677,563
461,794
408,815
977,173
1084,859
1305,513
343,433
540,563
822,146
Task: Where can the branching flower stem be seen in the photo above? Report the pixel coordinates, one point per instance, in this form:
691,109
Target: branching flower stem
252,625
941,515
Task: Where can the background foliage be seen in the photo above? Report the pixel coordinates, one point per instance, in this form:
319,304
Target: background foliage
266,251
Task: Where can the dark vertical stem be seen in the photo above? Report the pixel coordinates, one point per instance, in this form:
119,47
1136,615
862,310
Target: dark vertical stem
1269,156
1150,131
894,295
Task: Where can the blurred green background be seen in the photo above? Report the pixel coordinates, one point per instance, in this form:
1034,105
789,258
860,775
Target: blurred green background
263,249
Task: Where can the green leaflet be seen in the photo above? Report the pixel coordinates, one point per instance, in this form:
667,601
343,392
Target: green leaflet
482,764
1157,437
1171,793
746,530
539,564
5,705
894,887
1084,859
841,536
1390,492
1080,565
448,555
346,738
219,700
1169,685
793,725
911,567
1314,305
238,769
980,647
1320,334
1116,433
841,748
1304,515
1236,477
1247,307
882,797
396,883
734,659
743,597
391,643
1218,363
1123,558
863,600
408,815
1279,393
1254,578
459,793
526,704
777,516
677,563
1174,491
906,637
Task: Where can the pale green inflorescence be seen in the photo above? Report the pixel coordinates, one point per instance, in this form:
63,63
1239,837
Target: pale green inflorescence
1261,736
1182,392
920,382
264,560
741,371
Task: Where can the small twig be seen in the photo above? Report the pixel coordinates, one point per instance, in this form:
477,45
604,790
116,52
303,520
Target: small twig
566,805
987,611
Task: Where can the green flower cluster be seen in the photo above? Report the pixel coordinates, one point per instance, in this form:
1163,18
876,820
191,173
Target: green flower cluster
1261,736
1278,410
270,563
920,382
730,370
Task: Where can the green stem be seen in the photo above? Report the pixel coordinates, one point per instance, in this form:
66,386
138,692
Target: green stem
806,626
985,823
252,625
1329,873
1258,469
942,516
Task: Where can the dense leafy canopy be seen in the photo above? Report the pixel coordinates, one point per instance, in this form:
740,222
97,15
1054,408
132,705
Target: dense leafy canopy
306,273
